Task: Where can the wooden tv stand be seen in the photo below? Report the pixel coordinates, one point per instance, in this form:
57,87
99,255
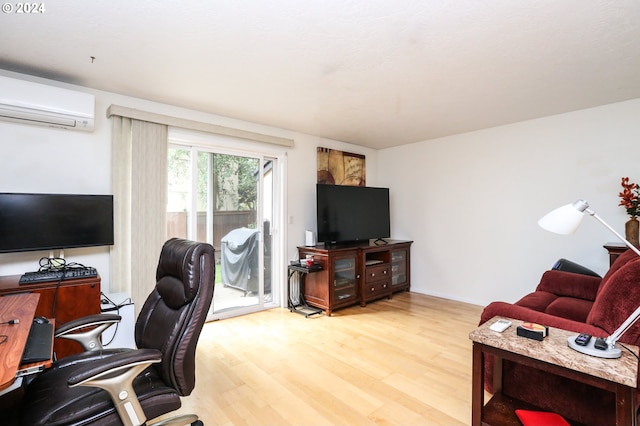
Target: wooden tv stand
72,299
356,273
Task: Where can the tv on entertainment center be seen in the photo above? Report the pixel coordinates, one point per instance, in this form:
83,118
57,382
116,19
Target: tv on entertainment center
352,213
30,222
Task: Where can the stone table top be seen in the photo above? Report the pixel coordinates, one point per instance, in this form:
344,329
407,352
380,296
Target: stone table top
554,349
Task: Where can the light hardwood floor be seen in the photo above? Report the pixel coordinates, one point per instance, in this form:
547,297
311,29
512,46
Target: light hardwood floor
404,361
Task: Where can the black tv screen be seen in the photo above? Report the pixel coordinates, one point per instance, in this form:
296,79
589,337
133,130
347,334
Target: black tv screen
31,222
352,213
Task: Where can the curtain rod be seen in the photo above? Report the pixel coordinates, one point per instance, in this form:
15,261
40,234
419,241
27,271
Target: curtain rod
196,125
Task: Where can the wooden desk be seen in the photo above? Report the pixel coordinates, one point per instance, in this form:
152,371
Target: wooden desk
555,356
62,302
21,307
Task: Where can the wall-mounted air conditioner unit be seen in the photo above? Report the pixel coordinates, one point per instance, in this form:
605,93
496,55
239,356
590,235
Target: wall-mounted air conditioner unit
32,103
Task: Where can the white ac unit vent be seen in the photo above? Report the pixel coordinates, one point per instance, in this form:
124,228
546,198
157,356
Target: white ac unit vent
33,103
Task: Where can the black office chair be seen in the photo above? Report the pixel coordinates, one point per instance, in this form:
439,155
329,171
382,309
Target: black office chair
126,386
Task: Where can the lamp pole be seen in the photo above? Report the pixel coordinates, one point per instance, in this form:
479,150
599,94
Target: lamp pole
595,216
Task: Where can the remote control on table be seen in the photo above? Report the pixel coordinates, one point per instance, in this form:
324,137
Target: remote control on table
582,339
500,325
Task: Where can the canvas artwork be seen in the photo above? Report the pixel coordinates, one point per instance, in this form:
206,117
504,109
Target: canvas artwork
341,168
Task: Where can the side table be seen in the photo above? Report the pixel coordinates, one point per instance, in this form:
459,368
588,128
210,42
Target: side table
301,306
552,355
615,249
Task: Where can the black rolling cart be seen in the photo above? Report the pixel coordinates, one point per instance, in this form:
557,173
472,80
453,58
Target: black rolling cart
296,287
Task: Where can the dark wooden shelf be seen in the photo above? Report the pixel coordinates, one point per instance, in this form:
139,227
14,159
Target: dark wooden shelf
501,411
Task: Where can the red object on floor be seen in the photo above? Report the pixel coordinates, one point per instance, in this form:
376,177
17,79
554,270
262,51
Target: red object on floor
539,418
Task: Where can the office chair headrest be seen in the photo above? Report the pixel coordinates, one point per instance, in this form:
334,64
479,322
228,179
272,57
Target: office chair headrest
180,263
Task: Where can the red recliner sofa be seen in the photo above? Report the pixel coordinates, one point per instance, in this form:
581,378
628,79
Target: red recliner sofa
579,303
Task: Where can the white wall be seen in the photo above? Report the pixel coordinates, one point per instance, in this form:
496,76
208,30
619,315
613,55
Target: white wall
471,202
42,159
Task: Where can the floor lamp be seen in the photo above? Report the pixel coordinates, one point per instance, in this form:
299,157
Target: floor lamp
565,220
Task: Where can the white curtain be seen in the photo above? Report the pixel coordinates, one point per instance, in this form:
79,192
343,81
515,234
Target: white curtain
139,170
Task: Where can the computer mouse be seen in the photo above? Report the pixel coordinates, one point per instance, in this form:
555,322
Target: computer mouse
40,320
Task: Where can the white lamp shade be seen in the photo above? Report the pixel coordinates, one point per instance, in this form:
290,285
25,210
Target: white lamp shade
563,220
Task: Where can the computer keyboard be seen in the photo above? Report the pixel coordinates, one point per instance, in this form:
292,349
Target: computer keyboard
57,275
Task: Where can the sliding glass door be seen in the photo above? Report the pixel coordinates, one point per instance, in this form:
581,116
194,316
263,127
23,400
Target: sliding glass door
226,199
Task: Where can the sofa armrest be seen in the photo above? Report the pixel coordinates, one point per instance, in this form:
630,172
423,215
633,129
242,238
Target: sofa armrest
509,310
569,284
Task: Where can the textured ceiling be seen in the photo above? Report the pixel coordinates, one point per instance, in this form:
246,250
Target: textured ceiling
377,73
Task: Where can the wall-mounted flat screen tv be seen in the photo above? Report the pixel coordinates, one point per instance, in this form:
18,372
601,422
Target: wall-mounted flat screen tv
31,222
352,213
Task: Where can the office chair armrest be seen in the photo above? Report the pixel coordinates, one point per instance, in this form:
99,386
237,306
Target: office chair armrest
90,339
115,375
88,321
113,364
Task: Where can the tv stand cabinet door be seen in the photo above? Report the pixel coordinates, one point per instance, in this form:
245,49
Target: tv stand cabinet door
401,268
344,278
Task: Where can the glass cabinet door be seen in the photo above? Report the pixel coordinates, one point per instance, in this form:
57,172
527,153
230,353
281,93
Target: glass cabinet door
345,278
398,267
